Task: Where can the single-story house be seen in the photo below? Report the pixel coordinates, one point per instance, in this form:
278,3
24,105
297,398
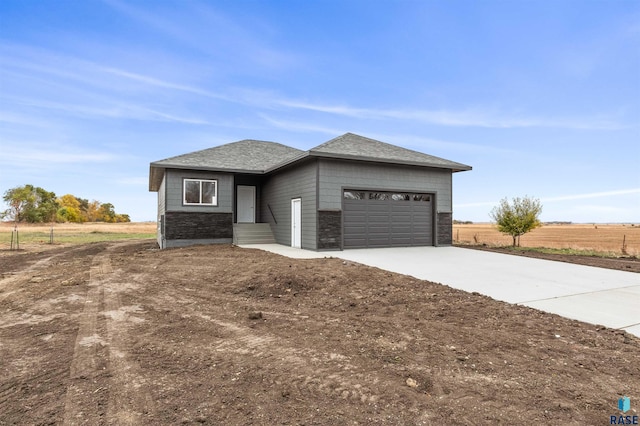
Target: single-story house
349,192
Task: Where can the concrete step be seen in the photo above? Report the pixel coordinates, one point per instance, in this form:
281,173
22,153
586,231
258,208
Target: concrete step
252,233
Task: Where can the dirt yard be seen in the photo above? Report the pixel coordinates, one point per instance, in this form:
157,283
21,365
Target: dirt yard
120,333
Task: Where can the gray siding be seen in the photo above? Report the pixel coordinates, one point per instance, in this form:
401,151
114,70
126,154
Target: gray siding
174,179
278,190
335,175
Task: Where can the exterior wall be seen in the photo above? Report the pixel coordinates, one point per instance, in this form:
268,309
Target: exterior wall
277,192
336,175
187,225
174,179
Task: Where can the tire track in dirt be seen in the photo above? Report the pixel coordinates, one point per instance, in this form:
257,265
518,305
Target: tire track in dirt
130,401
10,282
79,403
100,368
308,371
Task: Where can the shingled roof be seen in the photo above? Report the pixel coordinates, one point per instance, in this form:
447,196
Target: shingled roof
259,157
355,147
246,156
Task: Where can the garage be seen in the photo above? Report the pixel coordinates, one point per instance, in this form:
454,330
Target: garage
387,219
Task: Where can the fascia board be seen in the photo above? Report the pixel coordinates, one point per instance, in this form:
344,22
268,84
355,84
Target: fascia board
458,166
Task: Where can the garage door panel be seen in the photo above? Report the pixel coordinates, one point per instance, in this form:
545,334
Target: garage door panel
421,217
400,228
399,206
355,221
387,220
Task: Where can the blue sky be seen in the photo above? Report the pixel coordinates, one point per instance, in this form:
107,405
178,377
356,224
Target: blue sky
542,98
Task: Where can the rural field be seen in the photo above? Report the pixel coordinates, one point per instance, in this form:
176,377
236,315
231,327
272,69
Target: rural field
583,237
36,237
119,332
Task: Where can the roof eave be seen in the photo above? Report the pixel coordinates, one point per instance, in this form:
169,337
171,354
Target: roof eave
156,172
455,167
206,168
462,169
155,177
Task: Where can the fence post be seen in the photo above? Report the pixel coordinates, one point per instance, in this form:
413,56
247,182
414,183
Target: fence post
15,239
51,236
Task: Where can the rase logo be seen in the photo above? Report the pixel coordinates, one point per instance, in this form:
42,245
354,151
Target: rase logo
624,405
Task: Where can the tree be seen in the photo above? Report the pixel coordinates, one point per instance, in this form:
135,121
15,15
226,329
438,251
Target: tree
46,208
121,218
92,213
518,218
30,204
107,213
18,199
70,209
35,205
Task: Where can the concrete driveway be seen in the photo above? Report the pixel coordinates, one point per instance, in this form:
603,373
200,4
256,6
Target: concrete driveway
585,293
594,295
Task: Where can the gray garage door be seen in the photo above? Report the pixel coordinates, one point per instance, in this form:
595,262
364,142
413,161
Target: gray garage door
387,219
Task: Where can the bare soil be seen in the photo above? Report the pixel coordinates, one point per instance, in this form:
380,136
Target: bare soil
121,333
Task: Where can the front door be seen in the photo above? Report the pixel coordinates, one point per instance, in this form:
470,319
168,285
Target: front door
296,223
246,204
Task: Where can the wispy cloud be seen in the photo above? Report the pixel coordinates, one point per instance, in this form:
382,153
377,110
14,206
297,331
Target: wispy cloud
36,154
165,84
11,118
479,204
603,194
204,28
51,69
463,118
300,126
164,25
423,143
593,195
129,111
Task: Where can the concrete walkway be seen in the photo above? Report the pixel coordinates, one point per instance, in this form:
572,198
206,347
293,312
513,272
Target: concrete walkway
594,295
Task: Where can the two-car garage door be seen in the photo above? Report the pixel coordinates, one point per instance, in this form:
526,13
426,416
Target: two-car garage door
387,219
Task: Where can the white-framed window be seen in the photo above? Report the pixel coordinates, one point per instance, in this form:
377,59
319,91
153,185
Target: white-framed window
200,192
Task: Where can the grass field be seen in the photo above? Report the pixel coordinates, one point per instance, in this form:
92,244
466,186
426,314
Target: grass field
38,235
578,238
574,238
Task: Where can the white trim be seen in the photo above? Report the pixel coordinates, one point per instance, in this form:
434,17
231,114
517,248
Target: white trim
296,223
214,198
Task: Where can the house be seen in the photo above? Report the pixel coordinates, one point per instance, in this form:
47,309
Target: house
349,192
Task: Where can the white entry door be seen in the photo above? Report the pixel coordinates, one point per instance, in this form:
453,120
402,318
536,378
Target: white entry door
296,223
246,204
